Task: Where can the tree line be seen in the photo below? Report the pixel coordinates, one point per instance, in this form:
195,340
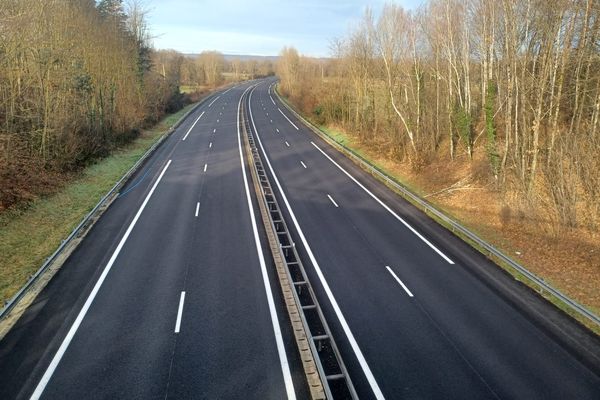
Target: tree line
517,80
79,78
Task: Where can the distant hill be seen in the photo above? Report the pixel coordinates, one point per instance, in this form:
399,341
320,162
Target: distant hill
241,57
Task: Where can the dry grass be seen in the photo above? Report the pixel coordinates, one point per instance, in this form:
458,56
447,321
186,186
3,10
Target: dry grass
463,189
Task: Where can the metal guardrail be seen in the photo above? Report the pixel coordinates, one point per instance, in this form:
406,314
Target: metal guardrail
332,371
454,225
105,200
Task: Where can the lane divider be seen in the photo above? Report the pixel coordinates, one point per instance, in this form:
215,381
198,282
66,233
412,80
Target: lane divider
399,281
285,368
333,201
211,103
289,120
334,304
179,312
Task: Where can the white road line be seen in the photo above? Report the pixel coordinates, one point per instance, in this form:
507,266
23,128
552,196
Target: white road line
67,340
277,130
211,103
192,127
197,208
205,166
210,145
179,312
272,101
336,308
285,368
294,125
304,165
267,114
215,130
399,281
287,144
233,87
271,121
217,121
413,230
332,200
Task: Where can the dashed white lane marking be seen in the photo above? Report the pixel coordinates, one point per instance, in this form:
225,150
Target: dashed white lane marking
179,312
287,144
399,281
210,145
332,200
304,165
197,208
205,166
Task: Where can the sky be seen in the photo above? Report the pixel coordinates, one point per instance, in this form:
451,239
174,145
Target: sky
256,27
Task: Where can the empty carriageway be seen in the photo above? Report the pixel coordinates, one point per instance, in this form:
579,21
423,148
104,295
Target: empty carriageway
168,296
416,312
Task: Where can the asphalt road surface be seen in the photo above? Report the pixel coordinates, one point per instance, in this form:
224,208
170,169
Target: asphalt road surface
417,313
184,308
172,294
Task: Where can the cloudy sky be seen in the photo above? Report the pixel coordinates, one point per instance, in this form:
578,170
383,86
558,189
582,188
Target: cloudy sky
259,27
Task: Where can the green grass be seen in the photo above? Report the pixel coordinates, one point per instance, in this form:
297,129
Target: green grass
28,236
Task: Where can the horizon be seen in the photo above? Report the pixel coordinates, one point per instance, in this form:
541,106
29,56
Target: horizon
235,27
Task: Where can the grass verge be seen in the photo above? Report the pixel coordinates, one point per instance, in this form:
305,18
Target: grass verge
28,236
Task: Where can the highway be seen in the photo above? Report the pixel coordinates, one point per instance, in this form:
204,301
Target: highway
173,292
417,313
168,296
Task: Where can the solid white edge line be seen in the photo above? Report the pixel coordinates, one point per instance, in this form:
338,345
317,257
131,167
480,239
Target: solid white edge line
413,230
67,340
192,127
336,308
399,281
304,165
217,98
179,312
273,101
333,201
197,208
285,368
294,125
